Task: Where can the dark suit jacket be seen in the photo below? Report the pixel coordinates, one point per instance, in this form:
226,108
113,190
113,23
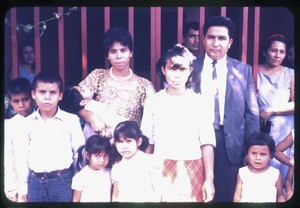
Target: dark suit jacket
241,113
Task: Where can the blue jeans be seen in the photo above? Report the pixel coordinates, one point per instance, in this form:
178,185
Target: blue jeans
57,189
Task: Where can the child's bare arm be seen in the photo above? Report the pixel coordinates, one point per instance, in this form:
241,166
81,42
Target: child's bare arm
96,123
238,190
208,189
281,147
115,193
288,184
280,196
76,196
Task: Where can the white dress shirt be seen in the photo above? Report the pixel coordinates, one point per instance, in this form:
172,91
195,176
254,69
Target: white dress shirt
208,85
14,160
51,144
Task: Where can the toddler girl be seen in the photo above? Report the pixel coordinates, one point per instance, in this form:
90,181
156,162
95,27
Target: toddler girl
133,177
93,182
258,181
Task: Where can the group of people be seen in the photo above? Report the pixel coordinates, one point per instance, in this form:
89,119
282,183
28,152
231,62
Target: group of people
114,138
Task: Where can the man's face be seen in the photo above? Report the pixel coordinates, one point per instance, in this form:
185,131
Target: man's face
191,41
217,42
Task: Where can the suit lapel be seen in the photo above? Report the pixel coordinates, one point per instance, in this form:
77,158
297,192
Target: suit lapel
230,75
230,79
198,64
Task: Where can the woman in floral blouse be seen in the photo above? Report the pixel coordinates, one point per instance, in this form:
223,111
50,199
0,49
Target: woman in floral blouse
118,87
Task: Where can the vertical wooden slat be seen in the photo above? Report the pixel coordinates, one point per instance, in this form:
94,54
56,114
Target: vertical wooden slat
152,44
131,21
179,24
201,23
61,47
245,34
131,29
256,42
14,43
155,37
106,18
223,11
84,41
106,27
37,40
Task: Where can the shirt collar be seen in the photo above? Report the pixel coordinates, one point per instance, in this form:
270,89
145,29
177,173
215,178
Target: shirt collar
134,157
222,61
37,116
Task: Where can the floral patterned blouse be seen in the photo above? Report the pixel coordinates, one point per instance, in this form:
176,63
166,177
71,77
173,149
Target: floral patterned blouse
127,97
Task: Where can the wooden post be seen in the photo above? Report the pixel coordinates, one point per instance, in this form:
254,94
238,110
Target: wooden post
84,42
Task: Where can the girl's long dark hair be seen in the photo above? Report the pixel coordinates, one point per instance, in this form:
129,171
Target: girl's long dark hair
130,129
93,145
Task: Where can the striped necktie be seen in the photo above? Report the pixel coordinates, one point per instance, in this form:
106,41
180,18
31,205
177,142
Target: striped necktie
217,110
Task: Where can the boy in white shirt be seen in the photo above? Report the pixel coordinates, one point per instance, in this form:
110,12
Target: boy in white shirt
53,137
19,95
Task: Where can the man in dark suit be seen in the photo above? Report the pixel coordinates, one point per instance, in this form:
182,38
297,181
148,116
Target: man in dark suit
236,109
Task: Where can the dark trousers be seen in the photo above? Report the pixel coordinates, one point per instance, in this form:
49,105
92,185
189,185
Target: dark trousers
225,172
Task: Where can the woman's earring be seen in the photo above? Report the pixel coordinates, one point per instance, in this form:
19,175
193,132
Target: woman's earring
130,55
108,58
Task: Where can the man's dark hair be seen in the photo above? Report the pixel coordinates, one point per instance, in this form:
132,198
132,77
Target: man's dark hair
220,21
190,25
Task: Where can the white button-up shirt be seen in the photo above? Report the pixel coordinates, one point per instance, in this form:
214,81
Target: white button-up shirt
52,143
207,85
14,160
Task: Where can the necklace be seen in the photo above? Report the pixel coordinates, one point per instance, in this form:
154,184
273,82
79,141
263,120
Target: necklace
120,79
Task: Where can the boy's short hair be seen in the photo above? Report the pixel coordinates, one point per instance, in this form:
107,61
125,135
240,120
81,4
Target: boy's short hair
71,100
48,77
258,138
18,86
